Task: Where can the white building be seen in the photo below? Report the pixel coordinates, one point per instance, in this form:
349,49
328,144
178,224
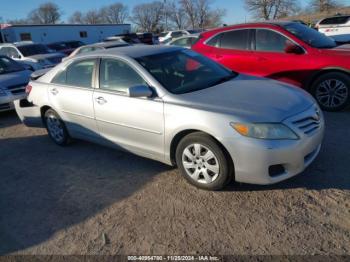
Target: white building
46,34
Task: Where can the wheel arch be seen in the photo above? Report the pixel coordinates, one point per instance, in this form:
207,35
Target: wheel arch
43,110
308,83
181,134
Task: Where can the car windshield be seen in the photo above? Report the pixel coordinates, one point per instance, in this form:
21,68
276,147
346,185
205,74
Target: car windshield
310,36
8,66
36,49
184,71
163,34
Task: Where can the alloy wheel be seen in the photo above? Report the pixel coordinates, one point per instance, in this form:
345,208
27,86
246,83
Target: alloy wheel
200,163
55,128
332,93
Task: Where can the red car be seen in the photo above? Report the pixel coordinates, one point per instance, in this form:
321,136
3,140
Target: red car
286,51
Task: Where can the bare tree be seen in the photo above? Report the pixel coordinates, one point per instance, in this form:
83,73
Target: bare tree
77,18
114,14
92,17
191,12
18,21
271,9
324,5
46,13
148,16
176,14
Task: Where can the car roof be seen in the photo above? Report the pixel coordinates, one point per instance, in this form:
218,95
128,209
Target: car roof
107,44
136,51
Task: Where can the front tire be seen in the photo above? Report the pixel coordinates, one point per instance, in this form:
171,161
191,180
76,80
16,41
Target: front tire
203,162
56,128
332,91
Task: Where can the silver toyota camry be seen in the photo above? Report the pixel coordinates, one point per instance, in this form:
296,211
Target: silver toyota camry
178,107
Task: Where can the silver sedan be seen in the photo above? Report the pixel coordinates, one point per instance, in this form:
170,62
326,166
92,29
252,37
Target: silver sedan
178,107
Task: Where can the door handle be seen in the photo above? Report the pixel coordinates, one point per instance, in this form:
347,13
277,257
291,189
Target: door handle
54,91
101,100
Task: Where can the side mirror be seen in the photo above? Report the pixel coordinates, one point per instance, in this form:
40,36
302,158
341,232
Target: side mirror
140,91
292,48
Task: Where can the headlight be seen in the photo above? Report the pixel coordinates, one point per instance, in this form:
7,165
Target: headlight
264,131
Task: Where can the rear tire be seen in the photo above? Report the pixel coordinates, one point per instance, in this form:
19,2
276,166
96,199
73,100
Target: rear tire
203,162
332,91
56,128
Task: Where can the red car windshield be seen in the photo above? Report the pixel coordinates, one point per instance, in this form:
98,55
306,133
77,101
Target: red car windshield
310,36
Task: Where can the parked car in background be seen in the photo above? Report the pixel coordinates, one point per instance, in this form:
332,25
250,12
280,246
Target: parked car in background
13,80
168,36
98,46
185,41
148,38
337,27
66,47
286,51
130,38
176,106
37,56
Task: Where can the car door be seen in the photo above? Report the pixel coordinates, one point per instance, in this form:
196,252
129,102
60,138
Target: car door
134,124
70,94
272,60
232,49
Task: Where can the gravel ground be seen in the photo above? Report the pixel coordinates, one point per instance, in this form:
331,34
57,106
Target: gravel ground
87,199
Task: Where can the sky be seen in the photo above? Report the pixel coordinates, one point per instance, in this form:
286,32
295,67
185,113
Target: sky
235,11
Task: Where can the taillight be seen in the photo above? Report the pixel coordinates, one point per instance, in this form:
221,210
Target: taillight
28,89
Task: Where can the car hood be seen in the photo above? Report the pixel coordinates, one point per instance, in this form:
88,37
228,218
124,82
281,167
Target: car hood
15,78
249,99
45,56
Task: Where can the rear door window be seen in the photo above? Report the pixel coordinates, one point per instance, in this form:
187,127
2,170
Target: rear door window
79,74
237,39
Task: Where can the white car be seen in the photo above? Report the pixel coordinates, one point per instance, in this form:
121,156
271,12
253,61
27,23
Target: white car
37,56
185,41
13,80
336,27
168,36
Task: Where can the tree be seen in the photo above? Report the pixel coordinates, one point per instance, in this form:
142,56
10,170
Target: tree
191,12
92,17
114,13
272,9
177,15
46,13
324,5
77,18
148,16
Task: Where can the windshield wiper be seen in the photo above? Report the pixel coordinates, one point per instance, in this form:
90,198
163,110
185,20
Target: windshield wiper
224,79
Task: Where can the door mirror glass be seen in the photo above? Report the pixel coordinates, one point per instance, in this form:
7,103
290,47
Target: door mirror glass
140,91
292,48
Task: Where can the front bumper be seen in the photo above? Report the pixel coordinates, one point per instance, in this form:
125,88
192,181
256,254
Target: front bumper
254,158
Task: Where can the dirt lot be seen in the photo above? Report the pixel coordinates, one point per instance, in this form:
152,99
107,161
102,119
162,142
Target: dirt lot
57,200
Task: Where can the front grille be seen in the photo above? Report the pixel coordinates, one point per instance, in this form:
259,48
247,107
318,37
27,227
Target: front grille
309,124
17,89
